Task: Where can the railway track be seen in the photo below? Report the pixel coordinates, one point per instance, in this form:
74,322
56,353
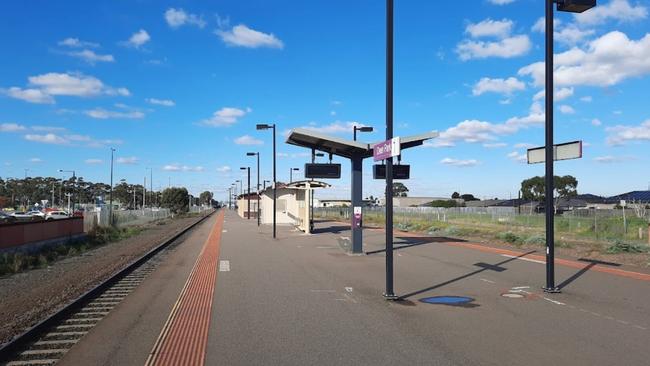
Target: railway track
48,341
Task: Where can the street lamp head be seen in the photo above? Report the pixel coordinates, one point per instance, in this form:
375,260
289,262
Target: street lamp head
243,168
295,169
263,126
575,6
251,154
60,170
365,129
320,155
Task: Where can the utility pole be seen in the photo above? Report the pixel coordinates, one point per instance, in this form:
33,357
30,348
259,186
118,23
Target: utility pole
389,294
144,194
110,208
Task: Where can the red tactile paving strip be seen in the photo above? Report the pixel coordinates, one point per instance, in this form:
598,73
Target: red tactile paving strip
183,339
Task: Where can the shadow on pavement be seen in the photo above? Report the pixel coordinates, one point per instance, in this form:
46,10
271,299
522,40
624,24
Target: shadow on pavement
408,242
575,276
484,267
331,229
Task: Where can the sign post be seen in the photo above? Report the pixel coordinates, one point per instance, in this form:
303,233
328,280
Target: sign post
565,151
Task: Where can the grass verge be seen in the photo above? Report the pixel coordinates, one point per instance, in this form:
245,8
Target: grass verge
14,262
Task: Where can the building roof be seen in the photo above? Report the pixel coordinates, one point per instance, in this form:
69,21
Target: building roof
639,196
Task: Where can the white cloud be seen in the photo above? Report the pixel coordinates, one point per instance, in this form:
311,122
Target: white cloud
473,131
490,28
242,36
459,163
609,159
11,127
47,128
76,43
566,109
100,113
248,140
226,116
91,57
48,138
163,102
131,160
596,122
516,156
178,17
138,39
73,84
620,134
494,145
29,95
336,127
540,25
523,145
571,35
586,99
619,10
93,161
224,169
175,167
505,48
501,86
606,61
36,160
560,94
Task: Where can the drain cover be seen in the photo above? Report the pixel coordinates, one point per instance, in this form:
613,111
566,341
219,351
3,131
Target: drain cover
447,300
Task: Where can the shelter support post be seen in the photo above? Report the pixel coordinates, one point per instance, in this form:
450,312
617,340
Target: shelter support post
357,201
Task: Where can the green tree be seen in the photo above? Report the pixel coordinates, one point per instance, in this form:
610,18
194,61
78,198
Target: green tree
176,199
400,190
469,197
455,195
205,198
534,188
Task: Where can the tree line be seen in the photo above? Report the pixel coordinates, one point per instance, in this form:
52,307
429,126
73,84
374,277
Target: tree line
15,193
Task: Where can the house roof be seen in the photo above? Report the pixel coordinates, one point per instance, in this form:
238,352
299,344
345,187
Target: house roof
642,196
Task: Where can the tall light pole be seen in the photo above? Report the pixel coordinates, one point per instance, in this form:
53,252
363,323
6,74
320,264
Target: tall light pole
571,6
150,186
74,177
258,183
110,207
390,293
361,129
248,193
275,188
291,170
264,184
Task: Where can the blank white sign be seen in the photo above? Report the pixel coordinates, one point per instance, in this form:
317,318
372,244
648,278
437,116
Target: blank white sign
566,151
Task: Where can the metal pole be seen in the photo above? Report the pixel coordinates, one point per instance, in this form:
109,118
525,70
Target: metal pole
144,194
74,190
258,189
249,192
389,294
110,208
550,224
275,186
355,133
151,186
290,175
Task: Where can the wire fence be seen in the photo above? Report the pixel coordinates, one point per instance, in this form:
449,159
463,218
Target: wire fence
606,225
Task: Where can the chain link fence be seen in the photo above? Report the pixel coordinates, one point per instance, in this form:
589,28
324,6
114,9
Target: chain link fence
603,225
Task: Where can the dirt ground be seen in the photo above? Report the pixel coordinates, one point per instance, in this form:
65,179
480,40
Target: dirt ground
28,297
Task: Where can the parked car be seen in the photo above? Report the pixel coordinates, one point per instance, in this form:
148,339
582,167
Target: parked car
56,215
5,218
21,216
36,214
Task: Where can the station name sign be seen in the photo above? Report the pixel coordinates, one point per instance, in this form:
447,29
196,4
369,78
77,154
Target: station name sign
386,149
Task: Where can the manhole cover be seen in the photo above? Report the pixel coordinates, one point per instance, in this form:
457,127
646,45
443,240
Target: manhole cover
510,295
447,300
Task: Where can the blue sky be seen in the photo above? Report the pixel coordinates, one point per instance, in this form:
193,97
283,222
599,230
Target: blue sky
178,86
